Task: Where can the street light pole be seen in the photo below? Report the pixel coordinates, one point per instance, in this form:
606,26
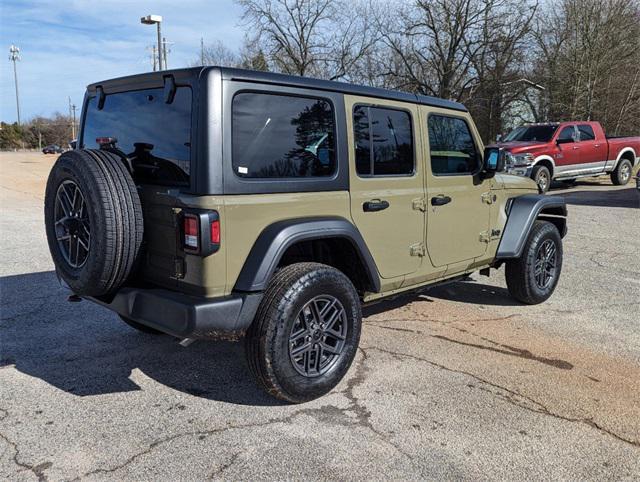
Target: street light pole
150,20
14,56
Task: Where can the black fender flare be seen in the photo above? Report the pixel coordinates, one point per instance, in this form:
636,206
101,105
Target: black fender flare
523,212
274,240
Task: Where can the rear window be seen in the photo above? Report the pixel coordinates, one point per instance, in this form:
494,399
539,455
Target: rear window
154,135
282,136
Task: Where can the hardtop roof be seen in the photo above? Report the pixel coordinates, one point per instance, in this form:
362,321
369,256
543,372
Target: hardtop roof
283,80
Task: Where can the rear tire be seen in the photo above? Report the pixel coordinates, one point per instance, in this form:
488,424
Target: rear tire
532,278
622,173
542,177
140,327
92,201
306,332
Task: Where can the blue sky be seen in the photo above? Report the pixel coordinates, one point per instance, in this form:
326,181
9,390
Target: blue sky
67,44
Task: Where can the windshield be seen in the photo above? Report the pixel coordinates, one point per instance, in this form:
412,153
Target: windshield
154,135
532,133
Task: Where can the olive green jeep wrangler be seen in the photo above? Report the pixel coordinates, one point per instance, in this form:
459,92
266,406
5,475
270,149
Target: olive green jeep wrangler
216,203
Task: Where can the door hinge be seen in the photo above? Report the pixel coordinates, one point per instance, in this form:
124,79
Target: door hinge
489,197
418,249
420,204
485,237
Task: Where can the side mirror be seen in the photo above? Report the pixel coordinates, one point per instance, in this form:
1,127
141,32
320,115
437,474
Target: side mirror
494,160
564,141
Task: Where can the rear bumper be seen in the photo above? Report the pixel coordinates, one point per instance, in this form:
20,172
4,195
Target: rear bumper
185,316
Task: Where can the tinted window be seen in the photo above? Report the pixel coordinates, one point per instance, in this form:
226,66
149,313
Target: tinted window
532,133
383,141
568,133
277,136
155,136
586,133
451,146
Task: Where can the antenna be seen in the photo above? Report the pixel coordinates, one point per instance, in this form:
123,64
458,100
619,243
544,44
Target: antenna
14,56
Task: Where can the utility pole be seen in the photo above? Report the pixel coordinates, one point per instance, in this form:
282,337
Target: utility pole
72,115
154,59
164,52
201,50
14,56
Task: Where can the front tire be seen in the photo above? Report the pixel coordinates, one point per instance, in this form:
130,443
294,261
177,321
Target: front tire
542,177
532,278
306,332
622,173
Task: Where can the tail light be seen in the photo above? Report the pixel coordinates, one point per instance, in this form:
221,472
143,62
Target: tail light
200,232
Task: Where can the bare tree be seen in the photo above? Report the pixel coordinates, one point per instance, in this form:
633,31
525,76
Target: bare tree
435,42
320,38
217,53
589,57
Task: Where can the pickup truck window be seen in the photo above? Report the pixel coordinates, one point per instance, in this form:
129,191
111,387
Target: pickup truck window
586,132
282,136
391,152
568,134
451,146
156,136
532,133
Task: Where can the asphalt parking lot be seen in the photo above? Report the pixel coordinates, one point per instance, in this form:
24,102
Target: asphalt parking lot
459,382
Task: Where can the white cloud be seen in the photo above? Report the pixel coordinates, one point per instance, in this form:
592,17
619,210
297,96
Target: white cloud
67,45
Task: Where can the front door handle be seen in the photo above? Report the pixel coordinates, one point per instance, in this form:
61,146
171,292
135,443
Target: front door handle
440,200
375,205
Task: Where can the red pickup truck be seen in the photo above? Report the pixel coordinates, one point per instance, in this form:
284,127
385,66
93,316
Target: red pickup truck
568,150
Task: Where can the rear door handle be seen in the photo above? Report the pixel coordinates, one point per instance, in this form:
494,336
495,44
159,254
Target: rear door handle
375,205
440,200
576,147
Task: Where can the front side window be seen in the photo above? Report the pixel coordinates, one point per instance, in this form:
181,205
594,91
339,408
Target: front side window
451,146
155,135
383,141
567,134
586,132
540,133
282,136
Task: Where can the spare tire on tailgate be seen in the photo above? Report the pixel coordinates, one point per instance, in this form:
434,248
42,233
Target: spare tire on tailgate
93,219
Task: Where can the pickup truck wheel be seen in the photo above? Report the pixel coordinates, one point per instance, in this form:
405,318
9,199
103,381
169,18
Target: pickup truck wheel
533,277
93,220
306,332
622,173
542,177
140,327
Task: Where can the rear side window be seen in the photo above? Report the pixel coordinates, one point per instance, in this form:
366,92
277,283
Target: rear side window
154,135
383,141
282,136
452,148
586,132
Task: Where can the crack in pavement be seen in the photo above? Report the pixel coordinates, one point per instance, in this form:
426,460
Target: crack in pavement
38,470
541,408
225,466
508,350
362,414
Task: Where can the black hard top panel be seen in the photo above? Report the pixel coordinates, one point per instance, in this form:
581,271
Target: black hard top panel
146,80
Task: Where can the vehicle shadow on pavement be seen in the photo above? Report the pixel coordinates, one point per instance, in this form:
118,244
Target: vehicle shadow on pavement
468,291
85,350
619,198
